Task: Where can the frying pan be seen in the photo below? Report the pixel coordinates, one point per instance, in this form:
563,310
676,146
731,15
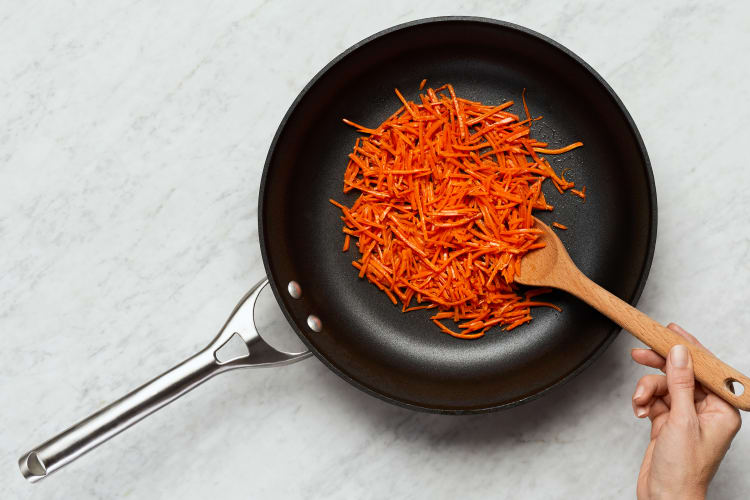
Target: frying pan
350,325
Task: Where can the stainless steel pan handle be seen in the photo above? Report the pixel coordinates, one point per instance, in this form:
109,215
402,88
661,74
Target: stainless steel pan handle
238,345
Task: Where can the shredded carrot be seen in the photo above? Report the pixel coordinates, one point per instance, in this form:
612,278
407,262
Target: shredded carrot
422,84
447,190
554,224
581,194
359,128
560,150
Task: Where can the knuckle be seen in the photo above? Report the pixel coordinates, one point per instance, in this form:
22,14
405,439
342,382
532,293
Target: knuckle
734,422
682,421
682,380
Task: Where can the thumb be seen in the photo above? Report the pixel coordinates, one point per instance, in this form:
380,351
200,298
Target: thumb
681,382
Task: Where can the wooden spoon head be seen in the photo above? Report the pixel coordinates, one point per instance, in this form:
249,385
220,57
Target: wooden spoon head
545,266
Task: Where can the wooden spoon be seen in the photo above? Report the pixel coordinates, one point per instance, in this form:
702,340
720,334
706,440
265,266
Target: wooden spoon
551,266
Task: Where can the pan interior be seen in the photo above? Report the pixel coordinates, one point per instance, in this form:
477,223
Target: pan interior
403,357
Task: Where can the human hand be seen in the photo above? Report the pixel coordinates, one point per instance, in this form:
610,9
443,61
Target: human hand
691,428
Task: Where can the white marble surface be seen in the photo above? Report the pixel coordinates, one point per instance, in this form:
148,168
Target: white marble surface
131,143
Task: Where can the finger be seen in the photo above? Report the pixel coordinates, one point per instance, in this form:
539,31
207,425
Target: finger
647,357
652,359
699,398
657,409
681,383
682,333
727,415
646,389
700,391
715,404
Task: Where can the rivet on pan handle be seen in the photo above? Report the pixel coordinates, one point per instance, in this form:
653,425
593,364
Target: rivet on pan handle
219,356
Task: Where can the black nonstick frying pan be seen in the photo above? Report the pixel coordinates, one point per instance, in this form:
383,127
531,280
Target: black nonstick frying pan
402,358
348,323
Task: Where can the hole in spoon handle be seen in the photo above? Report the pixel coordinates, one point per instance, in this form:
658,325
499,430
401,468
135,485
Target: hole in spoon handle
720,378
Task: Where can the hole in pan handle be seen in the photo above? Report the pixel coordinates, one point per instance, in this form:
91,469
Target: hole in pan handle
222,354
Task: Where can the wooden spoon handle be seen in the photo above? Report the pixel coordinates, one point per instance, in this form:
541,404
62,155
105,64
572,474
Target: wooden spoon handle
710,371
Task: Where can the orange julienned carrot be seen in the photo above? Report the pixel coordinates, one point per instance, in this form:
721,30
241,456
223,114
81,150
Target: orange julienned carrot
444,215
581,194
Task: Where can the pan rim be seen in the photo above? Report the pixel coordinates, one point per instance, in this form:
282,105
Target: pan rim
633,299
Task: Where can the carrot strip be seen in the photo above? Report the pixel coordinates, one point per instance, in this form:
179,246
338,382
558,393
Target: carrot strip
559,151
545,304
525,106
581,194
558,225
360,128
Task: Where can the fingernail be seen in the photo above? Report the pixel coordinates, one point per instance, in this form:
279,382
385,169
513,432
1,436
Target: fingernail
679,356
638,392
641,411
